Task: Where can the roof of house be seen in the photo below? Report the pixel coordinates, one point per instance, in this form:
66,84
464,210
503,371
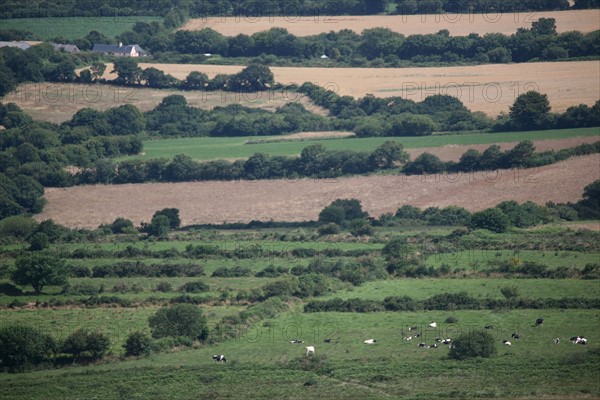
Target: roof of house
111,48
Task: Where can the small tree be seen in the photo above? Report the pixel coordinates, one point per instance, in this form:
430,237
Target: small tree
22,345
137,344
172,214
122,225
180,320
492,219
530,110
38,241
473,344
82,341
159,226
38,271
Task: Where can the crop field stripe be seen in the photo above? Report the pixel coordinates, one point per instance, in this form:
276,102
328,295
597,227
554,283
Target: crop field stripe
206,148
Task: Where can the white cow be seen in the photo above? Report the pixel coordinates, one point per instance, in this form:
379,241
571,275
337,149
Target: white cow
310,349
433,325
506,343
370,341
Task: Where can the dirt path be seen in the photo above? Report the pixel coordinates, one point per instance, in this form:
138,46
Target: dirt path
217,202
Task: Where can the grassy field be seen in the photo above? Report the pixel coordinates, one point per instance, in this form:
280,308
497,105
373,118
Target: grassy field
74,27
263,364
206,148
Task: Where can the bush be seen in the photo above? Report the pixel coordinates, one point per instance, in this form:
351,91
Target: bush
492,219
451,320
180,320
137,344
22,345
164,286
473,344
84,341
194,287
329,229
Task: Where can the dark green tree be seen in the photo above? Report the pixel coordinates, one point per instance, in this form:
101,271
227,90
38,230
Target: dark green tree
128,71
530,110
21,345
492,219
180,320
172,214
38,271
473,344
137,344
390,154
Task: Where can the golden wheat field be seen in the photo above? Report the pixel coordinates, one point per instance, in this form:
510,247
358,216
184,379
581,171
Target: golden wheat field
456,24
488,88
281,200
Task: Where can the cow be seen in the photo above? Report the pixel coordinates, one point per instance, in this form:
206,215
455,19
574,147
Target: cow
296,341
489,327
433,346
446,341
219,358
506,343
515,336
370,341
408,338
556,340
310,349
433,325
422,345
412,328
579,340
539,321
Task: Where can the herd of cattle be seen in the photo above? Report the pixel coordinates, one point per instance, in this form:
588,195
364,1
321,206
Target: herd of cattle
448,341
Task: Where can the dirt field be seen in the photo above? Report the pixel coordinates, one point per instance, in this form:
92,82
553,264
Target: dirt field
59,102
488,88
453,152
457,24
216,202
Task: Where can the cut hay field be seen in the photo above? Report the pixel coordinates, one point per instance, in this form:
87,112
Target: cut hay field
58,102
447,147
75,27
488,88
298,200
456,24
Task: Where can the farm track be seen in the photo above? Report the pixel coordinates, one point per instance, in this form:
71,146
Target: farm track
456,24
298,200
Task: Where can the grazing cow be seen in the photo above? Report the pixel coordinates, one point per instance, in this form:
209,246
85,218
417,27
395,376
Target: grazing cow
433,325
437,339
418,334
489,327
329,340
446,341
515,336
422,345
433,346
412,328
556,340
506,343
310,349
219,358
370,341
539,321
407,338
296,341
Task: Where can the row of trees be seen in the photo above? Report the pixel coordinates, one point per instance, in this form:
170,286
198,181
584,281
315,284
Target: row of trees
387,47
254,8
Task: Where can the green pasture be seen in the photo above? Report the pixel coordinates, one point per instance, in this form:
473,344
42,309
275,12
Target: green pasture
262,364
209,148
75,27
422,288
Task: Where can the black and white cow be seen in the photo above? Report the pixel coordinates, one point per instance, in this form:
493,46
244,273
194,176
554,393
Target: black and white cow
516,336
539,321
296,341
578,340
219,358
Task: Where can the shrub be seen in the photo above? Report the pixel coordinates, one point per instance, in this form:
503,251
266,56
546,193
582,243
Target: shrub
22,345
137,344
473,344
180,320
164,286
84,341
492,219
451,320
194,287
329,229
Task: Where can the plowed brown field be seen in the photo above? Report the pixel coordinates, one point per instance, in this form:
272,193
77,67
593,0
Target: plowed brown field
216,202
456,24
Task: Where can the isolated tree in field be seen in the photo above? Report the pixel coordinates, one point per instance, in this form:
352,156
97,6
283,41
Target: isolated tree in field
473,344
530,110
492,219
180,320
38,271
